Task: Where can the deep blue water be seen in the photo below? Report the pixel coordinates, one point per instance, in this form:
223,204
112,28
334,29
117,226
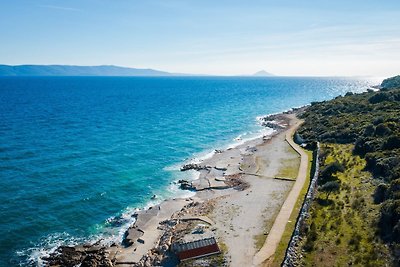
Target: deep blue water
77,151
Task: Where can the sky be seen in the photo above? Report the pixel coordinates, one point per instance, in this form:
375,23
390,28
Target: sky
218,37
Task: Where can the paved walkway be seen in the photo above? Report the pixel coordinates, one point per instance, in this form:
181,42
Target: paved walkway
271,243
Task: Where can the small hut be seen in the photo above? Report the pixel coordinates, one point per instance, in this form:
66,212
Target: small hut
196,249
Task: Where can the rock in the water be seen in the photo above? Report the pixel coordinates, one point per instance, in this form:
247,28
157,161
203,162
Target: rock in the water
65,256
194,166
185,185
83,256
273,125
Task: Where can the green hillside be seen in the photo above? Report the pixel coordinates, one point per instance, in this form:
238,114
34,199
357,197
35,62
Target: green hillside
366,128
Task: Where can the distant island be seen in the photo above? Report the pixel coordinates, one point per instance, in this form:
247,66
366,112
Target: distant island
263,73
68,70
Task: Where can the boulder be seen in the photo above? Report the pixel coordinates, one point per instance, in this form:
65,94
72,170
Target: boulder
83,256
185,185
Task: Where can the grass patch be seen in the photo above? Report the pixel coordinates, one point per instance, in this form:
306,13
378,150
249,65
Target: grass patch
283,244
259,240
290,166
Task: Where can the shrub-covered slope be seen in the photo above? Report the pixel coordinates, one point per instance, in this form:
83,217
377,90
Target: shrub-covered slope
370,121
340,230
391,83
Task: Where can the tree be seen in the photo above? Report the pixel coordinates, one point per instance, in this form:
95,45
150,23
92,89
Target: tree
392,142
380,193
327,173
382,130
329,187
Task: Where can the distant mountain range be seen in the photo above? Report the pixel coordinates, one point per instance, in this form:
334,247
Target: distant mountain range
66,70
104,70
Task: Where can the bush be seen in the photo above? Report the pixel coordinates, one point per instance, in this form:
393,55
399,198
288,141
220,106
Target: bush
378,120
380,193
390,216
382,130
363,146
379,98
329,187
329,170
392,142
355,240
369,130
311,237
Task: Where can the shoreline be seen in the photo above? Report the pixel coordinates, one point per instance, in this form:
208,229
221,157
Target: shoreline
147,232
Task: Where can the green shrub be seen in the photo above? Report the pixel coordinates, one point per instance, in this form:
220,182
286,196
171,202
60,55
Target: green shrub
380,193
328,172
329,187
389,221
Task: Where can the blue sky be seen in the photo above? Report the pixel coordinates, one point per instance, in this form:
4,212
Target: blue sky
321,38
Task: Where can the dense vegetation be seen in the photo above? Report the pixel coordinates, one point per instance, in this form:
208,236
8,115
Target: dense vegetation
391,83
371,122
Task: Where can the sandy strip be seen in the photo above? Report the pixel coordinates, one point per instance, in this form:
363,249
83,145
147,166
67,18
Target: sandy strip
278,228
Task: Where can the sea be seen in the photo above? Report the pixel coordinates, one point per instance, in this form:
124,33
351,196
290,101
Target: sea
79,155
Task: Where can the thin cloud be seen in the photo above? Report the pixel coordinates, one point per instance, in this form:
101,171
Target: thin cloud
62,8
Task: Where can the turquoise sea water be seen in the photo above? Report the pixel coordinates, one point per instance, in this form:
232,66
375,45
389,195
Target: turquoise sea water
79,154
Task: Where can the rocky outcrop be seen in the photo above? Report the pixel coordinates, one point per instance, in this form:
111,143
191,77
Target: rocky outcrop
194,166
276,121
132,235
83,256
173,229
186,185
161,255
96,260
390,83
272,125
